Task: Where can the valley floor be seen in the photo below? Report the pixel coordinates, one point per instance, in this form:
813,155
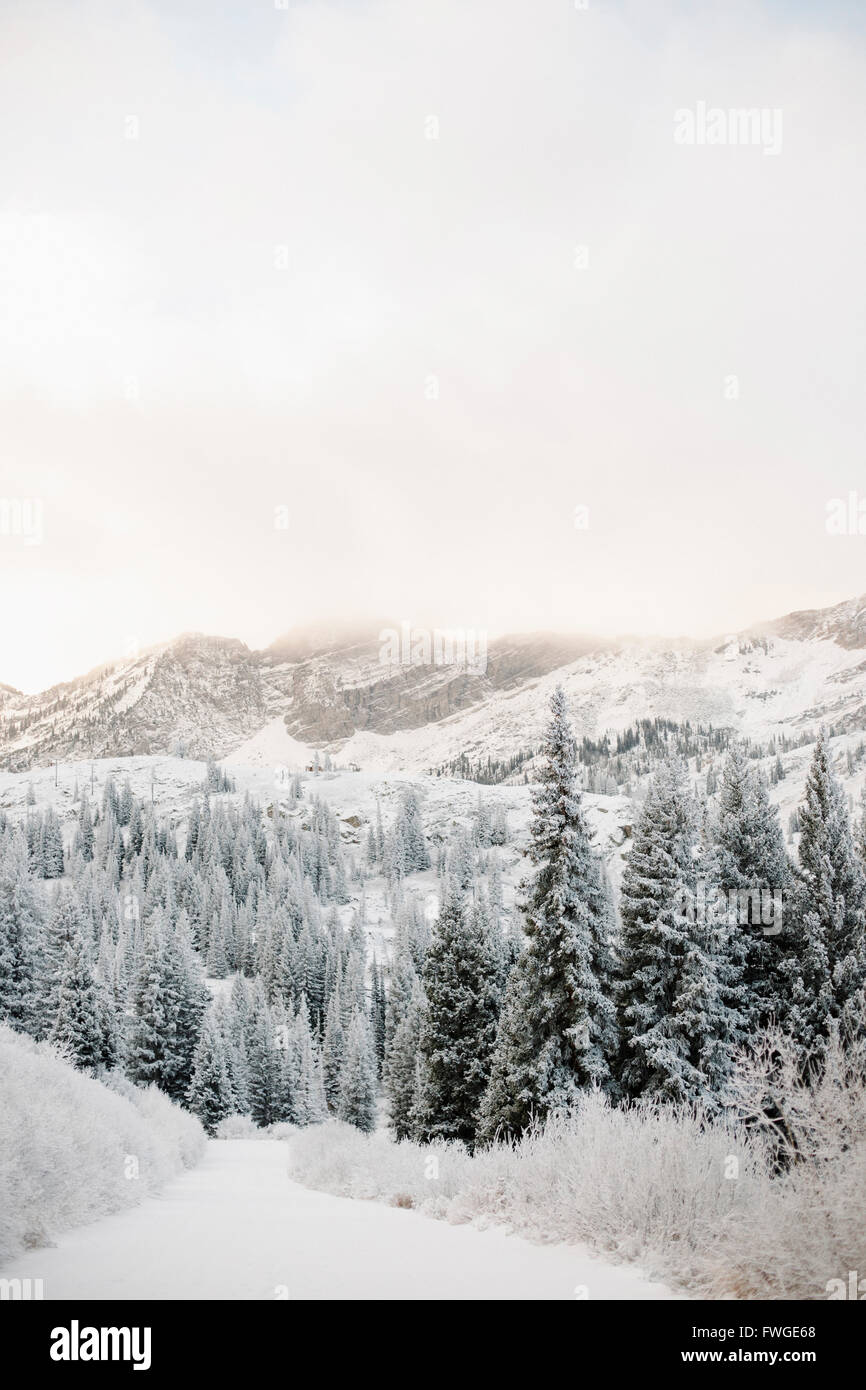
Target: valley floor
236,1227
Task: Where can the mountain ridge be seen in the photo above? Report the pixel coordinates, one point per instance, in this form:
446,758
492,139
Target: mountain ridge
330,686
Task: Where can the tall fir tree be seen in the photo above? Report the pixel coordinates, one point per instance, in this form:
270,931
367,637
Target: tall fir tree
752,872
679,1025
401,1069
458,1030
358,1089
21,929
263,1065
65,925
557,1032
303,1074
333,1050
151,1044
210,1095
187,1002
826,960
79,1022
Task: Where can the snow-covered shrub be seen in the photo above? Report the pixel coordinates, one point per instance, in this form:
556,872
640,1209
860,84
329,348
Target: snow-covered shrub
627,1181
812,1227
73,1149
244,1127
337,1157
699,1202
176,1127
238,1127
281,1130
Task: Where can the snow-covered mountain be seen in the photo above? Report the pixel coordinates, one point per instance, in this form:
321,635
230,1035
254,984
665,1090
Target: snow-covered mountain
194,695
336,691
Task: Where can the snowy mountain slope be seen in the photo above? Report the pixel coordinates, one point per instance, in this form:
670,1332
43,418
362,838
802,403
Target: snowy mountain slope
212,696
844,623
197,694
203,696
792,686
331,692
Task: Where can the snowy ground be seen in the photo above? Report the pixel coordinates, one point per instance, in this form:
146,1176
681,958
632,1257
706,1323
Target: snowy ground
237,1227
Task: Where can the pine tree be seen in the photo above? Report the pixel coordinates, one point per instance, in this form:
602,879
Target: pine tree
751,869
218,942
151,1048
377,1015
678,1025
235,1016
458,1030
86,832
51,846
400,1071
79,1023
357,1100
826,960
187,1002
333,1051
210,1094
395,863
412,829
305,1079
65,926
559,1032
20,940
264,1066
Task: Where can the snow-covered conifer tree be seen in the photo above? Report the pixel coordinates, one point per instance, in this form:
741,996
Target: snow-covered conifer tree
210,1094
558,1029
20,939
458,1029
78,1022
677,1001
401,1068
826,961
358,1089
751,870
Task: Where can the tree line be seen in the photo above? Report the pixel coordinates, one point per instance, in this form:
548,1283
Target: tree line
478,1022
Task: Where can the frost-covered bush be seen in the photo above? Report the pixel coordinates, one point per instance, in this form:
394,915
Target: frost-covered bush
709,1204
811,1229
176,1127
238,1127
244,1127
282,1130
627,1181
73,1149
337,1157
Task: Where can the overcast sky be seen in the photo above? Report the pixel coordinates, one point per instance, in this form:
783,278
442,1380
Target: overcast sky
429,275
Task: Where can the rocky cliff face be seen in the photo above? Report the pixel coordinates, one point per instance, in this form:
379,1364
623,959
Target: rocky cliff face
844,624
333,693
199,696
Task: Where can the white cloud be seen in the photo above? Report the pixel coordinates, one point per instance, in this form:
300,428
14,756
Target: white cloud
154,261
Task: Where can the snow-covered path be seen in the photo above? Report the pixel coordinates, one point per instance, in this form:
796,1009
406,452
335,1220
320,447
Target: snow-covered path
237,1227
